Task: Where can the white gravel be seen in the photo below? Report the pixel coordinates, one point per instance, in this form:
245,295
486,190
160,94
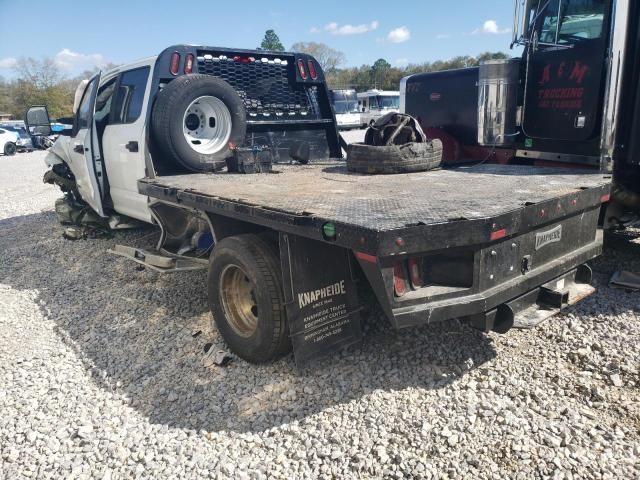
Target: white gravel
102,377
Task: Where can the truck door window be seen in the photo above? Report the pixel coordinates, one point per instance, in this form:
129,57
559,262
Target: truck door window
83,116
130,95
566,22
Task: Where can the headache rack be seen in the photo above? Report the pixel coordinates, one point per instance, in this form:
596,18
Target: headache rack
266,83
281,91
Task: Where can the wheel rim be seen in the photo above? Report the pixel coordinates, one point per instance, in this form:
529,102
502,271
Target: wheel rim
238,295
206,125
10,149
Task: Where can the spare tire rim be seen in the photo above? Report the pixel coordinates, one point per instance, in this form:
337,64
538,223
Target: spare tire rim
206,125
238,298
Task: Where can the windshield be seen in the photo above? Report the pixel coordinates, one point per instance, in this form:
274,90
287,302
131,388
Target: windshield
344,101
388,101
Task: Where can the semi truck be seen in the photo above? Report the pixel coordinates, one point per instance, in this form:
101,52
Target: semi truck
571,99
298,256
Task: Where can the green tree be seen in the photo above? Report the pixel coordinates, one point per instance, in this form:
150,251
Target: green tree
272,42
379,72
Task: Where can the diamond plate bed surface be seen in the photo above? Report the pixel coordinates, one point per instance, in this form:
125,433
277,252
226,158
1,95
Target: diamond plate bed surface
387,202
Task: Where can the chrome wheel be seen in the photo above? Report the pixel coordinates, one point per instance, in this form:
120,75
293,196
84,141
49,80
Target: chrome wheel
238,296
206,125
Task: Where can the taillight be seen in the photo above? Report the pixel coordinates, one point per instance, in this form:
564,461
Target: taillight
415,273
175,63
303,72
399,280
312,69
188,64
240,59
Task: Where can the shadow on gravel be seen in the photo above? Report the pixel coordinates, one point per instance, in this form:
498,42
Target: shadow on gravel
142,335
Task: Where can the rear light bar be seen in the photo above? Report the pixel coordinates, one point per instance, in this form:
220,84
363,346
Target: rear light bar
312,69
303,72
175,63
188,63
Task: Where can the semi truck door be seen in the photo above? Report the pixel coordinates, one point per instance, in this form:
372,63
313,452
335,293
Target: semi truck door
81,148
565,59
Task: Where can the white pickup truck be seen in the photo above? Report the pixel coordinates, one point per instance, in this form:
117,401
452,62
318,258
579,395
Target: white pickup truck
293,254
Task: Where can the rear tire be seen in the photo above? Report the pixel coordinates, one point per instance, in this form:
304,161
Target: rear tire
197,121
246,298
10,149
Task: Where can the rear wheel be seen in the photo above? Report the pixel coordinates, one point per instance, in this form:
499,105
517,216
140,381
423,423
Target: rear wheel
246,299
10,149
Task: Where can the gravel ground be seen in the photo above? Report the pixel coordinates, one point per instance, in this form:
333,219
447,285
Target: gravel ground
101,376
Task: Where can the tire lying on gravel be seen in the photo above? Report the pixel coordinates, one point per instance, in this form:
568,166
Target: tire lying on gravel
407,158
9,149
196,122
246,298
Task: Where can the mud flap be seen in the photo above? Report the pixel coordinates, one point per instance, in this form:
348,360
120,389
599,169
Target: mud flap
158,262
320,296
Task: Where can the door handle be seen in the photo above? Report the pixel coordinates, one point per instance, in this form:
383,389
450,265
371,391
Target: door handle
132,146
78,148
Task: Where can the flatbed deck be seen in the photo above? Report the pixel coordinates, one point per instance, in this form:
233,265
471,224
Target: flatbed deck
380,203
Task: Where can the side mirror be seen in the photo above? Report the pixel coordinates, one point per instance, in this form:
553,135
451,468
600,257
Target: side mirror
521,21
37,121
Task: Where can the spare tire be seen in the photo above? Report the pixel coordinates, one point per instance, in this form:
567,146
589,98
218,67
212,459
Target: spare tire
197,120
407,158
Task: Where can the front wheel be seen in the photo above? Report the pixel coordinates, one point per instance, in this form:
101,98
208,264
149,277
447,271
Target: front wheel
10,149
246,299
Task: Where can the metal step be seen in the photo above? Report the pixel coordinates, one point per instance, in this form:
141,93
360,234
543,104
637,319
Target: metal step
159,262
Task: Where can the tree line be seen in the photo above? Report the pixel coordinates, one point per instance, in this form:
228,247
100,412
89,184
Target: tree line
42,82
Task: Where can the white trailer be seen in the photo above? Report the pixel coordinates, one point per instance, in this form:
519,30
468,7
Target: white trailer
375,103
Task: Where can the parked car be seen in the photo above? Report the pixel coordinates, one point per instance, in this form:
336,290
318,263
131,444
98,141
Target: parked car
8,141
23,142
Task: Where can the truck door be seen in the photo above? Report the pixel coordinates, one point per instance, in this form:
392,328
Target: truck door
123,143
82,162
565,59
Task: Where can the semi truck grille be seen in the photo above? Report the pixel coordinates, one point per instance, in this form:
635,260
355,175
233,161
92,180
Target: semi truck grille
266,85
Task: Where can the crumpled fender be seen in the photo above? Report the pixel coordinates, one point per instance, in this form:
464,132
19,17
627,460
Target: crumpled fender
59,152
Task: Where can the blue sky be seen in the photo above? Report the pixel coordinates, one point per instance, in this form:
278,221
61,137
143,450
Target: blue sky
81,34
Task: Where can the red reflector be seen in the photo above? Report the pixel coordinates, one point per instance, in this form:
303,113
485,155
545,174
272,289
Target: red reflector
312,69
399,280
605,198
175,63
365,257
414,273
303,72
188,64
498,234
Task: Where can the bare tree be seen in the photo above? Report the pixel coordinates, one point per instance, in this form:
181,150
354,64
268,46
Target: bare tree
328,58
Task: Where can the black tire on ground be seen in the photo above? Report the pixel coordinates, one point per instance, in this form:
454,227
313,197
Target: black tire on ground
407,158
168,116
249,262
10,149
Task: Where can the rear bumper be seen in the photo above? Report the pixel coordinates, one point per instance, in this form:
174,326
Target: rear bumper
480,307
